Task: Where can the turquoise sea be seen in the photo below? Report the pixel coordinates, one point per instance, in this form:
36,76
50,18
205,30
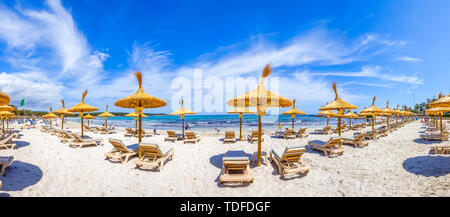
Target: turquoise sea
222,122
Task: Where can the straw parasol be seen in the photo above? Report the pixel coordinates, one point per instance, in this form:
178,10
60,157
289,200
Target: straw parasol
7,115
4,98
135,116
350,115
438,107
88,117
339,105
293,111
373,111
139,101
106,114
82,107
50,116
241,111
4,115
327,114
62,111
6,109
181,112
388,111
443,101
260,98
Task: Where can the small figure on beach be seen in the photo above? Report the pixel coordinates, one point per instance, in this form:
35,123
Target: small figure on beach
217,131
154,132
188,126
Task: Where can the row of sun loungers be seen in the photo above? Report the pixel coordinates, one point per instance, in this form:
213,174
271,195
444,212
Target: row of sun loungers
291,134
325,131
6,141
73,139
101,130
152,155
433,133
130,133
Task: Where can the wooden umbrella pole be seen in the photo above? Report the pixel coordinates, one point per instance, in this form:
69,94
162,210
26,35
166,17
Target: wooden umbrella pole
339,125
140,133
62,122
440,117
339,129
388,121
135,124
373,120
140,129
240,129
328,119
3,123
89,123
259,139
82,125
50,123
182,126
106,122
292,121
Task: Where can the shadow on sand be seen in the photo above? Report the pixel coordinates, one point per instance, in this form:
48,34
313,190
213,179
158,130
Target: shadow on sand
20,175
4,194
426,142
435,166
21,144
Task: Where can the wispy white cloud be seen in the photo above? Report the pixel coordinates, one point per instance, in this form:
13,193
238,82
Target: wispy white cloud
375,72
408,59
37,90
47,41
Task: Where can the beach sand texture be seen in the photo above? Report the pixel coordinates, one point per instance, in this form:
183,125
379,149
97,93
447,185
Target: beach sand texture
397,165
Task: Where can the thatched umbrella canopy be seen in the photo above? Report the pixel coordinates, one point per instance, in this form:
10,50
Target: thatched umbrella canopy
241,111
350,115
4,115
82,107
388,111
373,111
139,101
327,114
4,98
135,116
443,101
50,116
293,111
89,117
181,112
62,111
260,98
6,108
339,105
106,114
438,107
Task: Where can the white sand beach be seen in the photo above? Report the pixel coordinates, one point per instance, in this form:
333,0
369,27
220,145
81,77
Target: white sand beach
397,165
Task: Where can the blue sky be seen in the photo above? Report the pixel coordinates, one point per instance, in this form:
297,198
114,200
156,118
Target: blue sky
395,50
